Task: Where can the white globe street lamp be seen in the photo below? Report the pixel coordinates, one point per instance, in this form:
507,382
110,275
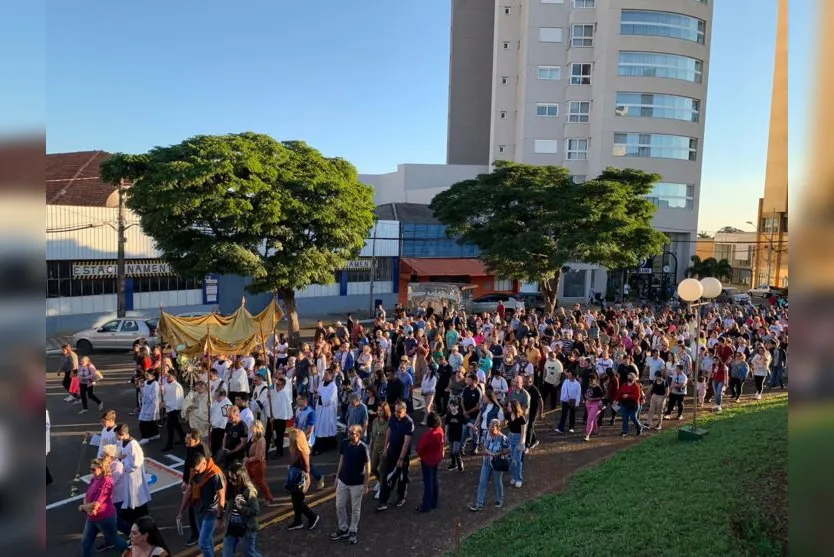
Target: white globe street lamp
691,291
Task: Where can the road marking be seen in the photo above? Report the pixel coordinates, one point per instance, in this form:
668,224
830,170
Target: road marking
177,460
163,478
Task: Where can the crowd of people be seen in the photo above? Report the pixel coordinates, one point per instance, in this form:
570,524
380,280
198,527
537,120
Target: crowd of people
479,385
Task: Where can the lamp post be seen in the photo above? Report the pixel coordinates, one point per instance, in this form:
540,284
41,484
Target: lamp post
693,291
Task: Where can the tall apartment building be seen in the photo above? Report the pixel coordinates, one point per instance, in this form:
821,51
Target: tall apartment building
587,84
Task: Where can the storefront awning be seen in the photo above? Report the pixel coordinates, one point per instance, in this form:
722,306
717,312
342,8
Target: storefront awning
442,267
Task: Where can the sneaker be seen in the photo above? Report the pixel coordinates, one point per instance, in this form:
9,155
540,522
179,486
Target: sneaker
557,430
100,406
570,430
70,398
295,526
518,484
534,445
400,502
320,485
498,505
624,435
353,538
83,411
475,508
587,438
105,547
314,524
382,507
191,542
680,417
77,401
718,409
667,416
512,483
339,535
657,428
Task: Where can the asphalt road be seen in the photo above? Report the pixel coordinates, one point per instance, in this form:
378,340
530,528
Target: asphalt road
69,456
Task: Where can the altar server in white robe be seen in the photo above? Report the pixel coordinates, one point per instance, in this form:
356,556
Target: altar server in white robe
149,411
326,413
135,491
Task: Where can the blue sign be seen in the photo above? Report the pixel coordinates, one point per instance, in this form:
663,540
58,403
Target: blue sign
211,293
151,479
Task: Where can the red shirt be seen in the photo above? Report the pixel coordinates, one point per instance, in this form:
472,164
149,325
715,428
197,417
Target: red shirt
725,353
719,372
634,392
430,447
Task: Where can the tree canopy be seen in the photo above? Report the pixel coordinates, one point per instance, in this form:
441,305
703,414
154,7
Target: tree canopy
709,267
247,204
531,221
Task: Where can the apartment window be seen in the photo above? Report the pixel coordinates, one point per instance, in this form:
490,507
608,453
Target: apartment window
663,24
653,105
550,72
578,178
506,45
582,35
655,145
579,112
580,74
652,64
548,110
507,10
546,146
584,3
503,114
576,149
671,195
505,80
550,34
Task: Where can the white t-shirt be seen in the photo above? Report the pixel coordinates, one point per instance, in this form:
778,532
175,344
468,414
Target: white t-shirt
603,364
553,370
239,381
222,368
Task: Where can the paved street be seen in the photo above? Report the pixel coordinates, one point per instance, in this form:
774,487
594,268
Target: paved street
64,521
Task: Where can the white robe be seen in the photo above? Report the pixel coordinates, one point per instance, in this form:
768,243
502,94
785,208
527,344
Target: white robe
135,490
150,402
327,411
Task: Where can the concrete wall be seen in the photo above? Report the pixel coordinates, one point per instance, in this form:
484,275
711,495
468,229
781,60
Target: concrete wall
418,183
470,79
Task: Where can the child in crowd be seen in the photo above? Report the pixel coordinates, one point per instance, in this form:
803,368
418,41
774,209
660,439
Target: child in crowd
454,422
702,389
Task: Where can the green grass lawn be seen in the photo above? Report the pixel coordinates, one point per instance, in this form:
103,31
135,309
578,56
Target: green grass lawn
724,495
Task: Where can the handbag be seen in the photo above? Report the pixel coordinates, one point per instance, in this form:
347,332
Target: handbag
296,480
501,464
237,523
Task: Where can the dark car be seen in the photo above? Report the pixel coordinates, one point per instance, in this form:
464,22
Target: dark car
532,300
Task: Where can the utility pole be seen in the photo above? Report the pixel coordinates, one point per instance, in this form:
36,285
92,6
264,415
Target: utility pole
373,270
121,294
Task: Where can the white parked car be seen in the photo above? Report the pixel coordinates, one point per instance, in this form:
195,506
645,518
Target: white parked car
730,295
762,292
488,303
118,334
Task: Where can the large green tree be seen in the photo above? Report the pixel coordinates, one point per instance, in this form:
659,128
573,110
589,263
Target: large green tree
246,204
709,267
531,221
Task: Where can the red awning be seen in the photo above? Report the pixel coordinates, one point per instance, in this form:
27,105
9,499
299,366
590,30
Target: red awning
445,267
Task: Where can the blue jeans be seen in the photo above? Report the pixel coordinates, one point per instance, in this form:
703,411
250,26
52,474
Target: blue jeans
517,461
249,543
315,472
718,390
630,413
108,529
497,479
467,432
776,376
431,488
207,523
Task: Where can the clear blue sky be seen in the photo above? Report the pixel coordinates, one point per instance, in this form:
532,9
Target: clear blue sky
366,81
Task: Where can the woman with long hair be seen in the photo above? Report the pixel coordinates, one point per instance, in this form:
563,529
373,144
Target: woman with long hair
593,399
298,480
377,438
100,511
490,410
428,386
517,424
496,450
87,377
145,540
241,513
256,460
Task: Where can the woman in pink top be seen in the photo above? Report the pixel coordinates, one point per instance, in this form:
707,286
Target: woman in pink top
101,514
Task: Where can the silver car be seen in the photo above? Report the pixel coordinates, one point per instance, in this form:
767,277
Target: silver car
118,334
489,303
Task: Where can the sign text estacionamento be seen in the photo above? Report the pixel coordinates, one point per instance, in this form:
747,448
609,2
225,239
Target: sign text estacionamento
103,270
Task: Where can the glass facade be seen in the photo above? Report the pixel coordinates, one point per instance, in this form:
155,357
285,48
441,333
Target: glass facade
662,24
430,240
655,145
670,195
649,105
652,64
573,284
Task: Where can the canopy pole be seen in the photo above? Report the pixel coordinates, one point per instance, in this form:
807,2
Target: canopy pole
207,356
268,391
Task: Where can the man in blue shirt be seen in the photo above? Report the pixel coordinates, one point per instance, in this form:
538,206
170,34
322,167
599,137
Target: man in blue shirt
406,375
397,449
352,478
305,420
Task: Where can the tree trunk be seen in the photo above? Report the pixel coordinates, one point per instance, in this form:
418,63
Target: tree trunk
293,328
550,288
